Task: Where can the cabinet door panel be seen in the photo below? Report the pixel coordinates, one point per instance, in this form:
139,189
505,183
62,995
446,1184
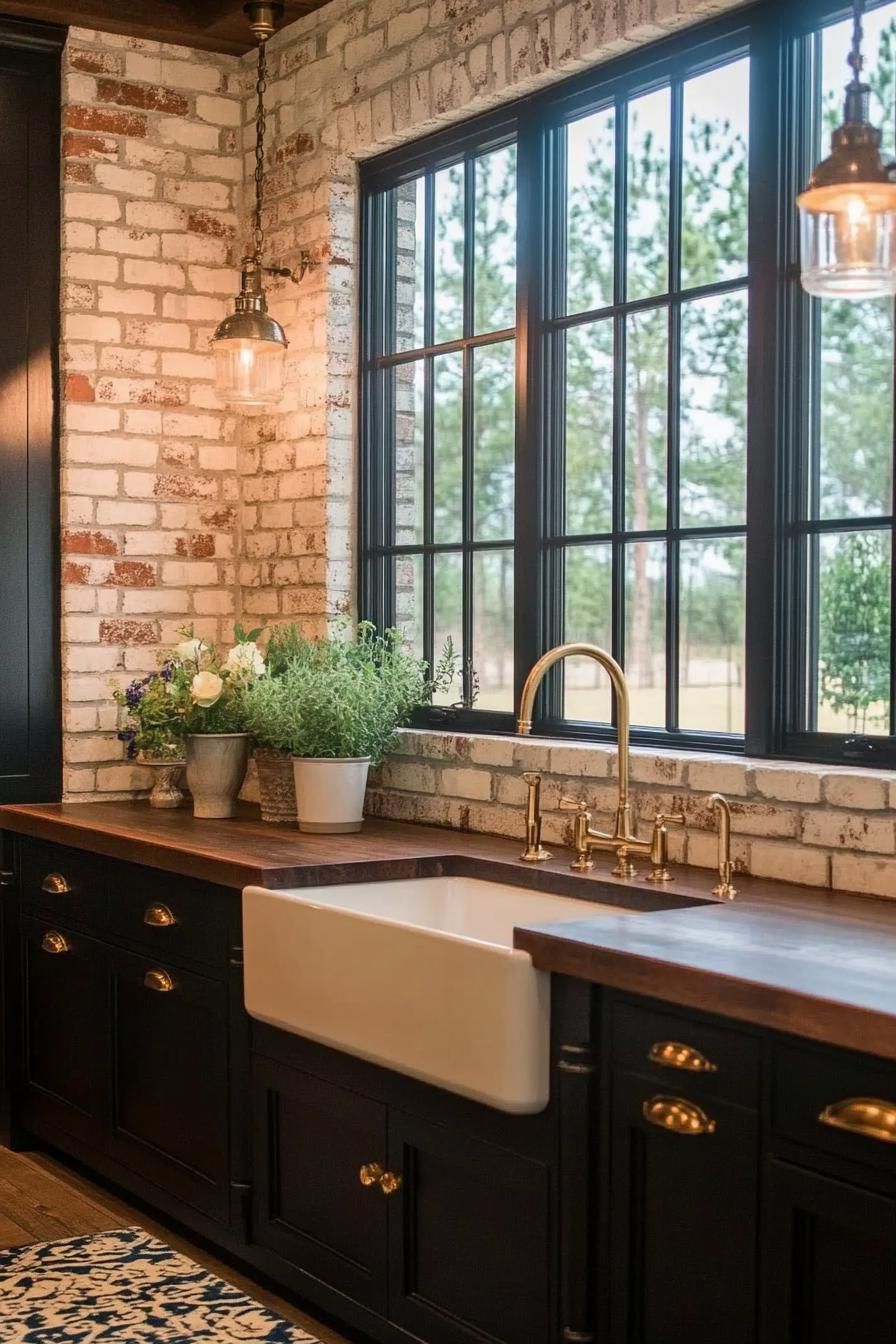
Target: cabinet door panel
683,1213
830,1255
170,1080
65,1030
469,1238
311,1140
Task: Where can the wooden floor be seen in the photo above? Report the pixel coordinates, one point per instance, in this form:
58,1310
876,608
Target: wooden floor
43,1200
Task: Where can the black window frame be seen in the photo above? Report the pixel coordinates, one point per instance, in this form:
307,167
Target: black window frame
782,145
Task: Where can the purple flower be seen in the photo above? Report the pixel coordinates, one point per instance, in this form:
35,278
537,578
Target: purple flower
167,671
134,693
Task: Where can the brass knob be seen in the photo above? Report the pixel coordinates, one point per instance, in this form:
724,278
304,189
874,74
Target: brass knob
370,1173
677,1116
865,1116
54,884
390,1182
674,1055
158,980
55,943
158,917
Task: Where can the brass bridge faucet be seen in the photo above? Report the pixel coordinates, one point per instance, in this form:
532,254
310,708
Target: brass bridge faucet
624,841
721,807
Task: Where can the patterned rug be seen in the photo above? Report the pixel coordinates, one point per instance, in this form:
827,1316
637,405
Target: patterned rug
124,1287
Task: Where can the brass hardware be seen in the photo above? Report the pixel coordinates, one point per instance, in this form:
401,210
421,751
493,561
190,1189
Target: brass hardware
55,942
372,1173
580,1059
7,877
723,890
54,884
582,863
158,917
865,1116
674,1055
677,1116
535,851
624,841
158,980
659,844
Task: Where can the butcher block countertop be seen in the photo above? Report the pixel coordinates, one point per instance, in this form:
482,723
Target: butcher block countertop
816,963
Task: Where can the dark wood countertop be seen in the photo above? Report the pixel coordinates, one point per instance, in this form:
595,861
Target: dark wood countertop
815,963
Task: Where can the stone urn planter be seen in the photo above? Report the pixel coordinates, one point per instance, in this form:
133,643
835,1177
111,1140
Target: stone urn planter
167,778
216,767
330,793
276,786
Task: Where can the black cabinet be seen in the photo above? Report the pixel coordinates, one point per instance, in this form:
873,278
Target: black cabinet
829,1255
682,1213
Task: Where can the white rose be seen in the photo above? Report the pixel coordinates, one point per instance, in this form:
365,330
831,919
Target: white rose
190,651
245,661
206,688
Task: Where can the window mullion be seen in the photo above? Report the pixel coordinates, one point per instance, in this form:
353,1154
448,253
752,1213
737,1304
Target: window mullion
620,262
673,394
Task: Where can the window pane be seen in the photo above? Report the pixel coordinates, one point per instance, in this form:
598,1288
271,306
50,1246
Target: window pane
449,254
853,655
646,423
493,443
589,428
715,175
409,600
586,689
447,437
590,210
645,630
405,213
494,293
649,134
711,650
493,628
448,606
407,398
879,26
855,389
714,410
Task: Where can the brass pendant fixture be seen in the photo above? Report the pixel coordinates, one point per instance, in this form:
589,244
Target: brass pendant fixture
848,210
250,345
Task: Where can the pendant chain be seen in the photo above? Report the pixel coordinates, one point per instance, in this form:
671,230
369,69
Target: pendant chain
260,88
856,60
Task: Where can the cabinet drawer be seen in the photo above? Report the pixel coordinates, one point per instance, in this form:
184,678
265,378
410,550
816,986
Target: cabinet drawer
680,1054
69,885
836,1103
168,916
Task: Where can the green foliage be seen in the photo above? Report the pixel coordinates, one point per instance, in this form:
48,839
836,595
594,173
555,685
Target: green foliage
854,628
285,645
338,697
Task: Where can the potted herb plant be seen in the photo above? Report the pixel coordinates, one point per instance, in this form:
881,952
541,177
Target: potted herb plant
208,693
335,707
151,731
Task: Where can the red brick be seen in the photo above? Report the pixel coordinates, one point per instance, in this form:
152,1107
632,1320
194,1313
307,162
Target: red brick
78,118
78,387
183,487
199,546
153,97
78,171
293,145
163,394
94,62
132,574
89,543
129,632
89,147
223,519
75,573
201,221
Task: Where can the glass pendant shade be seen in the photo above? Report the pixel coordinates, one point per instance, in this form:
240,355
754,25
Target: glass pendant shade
249,348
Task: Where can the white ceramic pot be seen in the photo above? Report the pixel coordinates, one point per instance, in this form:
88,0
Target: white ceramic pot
216,766
330,793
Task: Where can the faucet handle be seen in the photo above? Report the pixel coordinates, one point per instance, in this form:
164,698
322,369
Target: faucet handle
574,804
670,819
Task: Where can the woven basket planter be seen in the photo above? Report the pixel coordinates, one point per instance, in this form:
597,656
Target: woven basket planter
276,786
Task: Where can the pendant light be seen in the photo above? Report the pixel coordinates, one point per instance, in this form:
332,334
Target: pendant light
848,210
250,345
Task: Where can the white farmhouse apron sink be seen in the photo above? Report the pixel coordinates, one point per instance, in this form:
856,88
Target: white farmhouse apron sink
417,975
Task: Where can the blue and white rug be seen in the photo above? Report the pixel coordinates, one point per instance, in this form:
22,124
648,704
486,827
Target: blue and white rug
124,1287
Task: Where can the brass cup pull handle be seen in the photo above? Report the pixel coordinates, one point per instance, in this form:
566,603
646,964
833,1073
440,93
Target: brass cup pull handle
54,884
677,1116
158,980
372,1173
866,1116
158,917
55,943
675,1055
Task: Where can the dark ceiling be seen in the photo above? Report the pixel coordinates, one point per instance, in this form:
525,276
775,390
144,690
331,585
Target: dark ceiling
214,25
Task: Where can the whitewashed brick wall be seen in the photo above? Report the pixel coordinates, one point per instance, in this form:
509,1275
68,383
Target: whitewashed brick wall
815,825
